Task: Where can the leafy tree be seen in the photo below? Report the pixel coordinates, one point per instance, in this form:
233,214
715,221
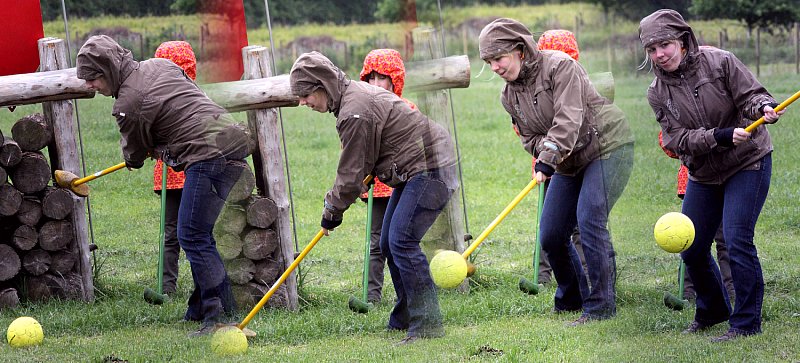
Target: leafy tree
635,10
754,13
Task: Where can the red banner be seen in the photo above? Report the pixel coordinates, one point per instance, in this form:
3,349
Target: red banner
20,29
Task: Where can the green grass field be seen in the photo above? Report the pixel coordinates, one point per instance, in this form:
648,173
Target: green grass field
493,322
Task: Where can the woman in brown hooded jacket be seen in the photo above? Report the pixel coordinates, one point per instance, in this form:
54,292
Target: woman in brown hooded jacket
579,139
704,98
162,113
381,135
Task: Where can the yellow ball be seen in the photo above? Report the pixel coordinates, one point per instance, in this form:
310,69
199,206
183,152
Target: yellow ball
229,340
24,332
448,269
674,232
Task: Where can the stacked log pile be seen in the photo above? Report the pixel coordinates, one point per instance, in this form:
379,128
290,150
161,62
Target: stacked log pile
248,243
38,248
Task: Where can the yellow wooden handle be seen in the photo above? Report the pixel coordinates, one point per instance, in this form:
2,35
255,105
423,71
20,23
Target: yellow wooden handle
280,281
499,219
777,108
98,174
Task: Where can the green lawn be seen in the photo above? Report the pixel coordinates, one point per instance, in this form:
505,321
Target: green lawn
494,322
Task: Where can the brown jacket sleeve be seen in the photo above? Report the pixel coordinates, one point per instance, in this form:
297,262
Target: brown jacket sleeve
356,135
133,130
568,108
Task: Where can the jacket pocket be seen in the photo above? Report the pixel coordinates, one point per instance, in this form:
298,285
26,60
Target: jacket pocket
587,148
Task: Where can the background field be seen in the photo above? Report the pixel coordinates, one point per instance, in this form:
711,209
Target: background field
495,321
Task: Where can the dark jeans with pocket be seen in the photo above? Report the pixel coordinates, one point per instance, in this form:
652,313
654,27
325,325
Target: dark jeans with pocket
413,207
207,186
736,204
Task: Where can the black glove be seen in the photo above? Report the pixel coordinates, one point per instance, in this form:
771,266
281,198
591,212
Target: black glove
330,224
724,136
545,169
134,165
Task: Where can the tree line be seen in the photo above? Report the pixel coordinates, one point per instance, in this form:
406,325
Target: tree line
753,13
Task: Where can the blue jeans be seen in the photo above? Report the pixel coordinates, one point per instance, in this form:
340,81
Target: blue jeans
206,187
585,200
736,204
412,209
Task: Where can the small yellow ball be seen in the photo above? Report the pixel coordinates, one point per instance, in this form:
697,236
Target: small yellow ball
229,340
24,332
448,269
674,232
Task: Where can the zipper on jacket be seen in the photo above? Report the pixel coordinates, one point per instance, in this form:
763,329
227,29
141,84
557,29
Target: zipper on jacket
703,122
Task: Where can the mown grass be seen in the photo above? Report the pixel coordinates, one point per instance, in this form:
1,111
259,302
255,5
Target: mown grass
493,322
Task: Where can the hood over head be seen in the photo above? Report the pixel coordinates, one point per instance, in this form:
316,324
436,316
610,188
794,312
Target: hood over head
102,56
180,53
313,70
502,36
387,62
666,24
559,39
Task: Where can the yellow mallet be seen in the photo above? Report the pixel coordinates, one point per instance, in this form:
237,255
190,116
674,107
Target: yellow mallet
447,271
66,179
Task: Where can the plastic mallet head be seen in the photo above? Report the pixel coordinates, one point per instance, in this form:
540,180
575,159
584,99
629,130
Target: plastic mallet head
64,179
529,287
673,302
358,306
153,297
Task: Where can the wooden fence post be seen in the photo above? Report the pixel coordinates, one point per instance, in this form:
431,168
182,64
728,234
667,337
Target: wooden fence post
268,162
797,48
53,56
448,232
758,52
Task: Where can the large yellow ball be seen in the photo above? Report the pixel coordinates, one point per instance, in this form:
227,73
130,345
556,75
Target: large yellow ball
448,269
24,332
674,232
229,340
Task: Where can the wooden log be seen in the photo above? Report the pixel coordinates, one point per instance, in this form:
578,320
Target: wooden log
32,88
244,185
232,220
280,299
62,262
437,74
267,271
36,289
56,203
10,200
253,94
261,211
247,295
229,246
53,56
10,153
25,237
32,173
259,243
47,286
32,133
9,262
240,270
55,235
271,92
36,261
9,298
3,175
30,211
